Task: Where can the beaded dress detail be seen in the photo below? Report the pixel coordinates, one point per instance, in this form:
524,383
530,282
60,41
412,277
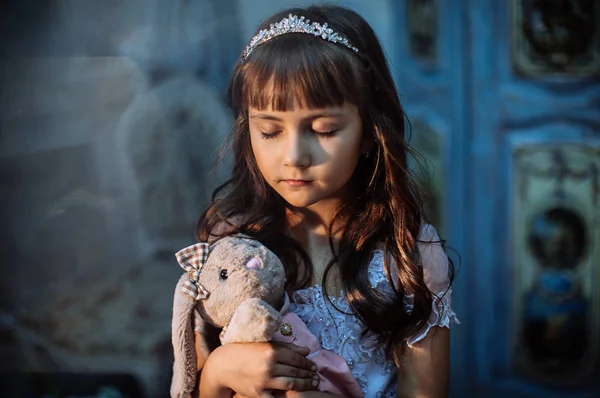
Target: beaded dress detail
340,332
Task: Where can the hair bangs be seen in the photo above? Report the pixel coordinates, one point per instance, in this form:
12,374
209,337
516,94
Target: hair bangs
304,71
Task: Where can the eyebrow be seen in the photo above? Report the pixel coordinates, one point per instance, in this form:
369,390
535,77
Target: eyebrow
311,117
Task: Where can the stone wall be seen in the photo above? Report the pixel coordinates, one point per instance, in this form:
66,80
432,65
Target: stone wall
111,115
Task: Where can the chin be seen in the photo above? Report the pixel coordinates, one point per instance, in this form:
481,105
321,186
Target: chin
299,202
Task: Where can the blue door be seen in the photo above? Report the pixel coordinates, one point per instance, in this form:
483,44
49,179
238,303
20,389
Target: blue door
504,102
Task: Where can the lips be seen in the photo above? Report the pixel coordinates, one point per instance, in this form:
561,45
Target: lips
297,183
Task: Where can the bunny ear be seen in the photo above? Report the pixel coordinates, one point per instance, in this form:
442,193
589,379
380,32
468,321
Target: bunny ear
185,368
206,338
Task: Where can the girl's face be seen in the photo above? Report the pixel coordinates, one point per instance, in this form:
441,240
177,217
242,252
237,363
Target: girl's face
307,155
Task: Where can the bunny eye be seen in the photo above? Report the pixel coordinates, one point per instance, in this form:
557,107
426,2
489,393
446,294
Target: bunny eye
223,274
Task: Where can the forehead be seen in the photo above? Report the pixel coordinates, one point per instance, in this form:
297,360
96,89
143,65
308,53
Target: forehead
298,111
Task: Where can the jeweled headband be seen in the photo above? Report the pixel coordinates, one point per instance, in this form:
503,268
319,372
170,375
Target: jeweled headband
295,24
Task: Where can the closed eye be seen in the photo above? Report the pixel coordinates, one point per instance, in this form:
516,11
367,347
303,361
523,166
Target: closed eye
269,136
325,134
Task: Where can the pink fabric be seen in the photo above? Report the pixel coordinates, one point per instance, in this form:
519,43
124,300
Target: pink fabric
335,376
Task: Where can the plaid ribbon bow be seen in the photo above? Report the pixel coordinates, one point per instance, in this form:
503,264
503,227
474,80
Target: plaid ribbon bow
192,259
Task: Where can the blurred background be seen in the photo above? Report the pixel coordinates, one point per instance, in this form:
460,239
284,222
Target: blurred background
111,114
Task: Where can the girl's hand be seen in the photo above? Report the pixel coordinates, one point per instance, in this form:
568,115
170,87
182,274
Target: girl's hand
309,394
251,368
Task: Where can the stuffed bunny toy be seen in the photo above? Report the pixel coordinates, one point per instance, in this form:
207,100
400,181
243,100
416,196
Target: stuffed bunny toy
237,285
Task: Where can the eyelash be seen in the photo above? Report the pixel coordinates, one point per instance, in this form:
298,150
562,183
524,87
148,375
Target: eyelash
270,136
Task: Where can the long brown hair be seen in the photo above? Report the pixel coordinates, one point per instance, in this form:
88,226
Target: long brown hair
385,211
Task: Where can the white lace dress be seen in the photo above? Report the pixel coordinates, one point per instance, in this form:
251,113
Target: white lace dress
340,333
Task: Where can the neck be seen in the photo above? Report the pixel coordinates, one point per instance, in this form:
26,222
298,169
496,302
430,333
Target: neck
315,219
318,217
311,229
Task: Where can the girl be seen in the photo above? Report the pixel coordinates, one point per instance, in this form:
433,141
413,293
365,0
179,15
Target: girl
320,177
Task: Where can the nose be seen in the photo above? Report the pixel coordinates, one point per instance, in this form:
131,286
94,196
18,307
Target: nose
297,151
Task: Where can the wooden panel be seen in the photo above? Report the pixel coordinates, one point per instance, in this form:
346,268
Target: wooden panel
558,37
430,77
430,139
555,293
513,113
502,376
422,30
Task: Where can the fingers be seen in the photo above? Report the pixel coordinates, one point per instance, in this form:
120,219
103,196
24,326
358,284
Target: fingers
291,370
288,383
294,359
280,370
304,351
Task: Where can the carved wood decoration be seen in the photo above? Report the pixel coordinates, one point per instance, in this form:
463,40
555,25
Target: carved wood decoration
556,36
556,242
429,170
422,24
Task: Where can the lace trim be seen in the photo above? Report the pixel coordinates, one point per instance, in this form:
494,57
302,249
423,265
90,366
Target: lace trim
340,332
337,331
441,314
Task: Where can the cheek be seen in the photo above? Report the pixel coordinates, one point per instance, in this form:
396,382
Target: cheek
263,156
345,153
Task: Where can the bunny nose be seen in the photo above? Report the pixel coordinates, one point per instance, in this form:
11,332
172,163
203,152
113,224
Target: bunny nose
254,263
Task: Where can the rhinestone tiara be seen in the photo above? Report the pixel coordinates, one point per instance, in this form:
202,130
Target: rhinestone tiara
296,24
